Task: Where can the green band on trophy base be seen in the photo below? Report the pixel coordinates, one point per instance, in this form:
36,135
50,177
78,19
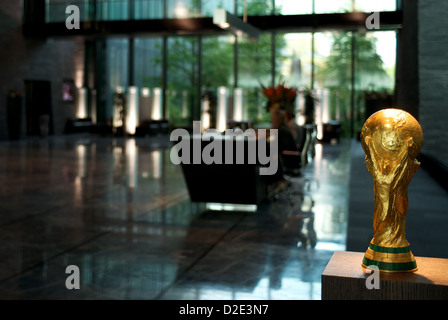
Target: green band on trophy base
390,259
390,266
389,250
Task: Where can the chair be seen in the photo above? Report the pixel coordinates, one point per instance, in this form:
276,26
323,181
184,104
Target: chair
295,162
308,151
299,197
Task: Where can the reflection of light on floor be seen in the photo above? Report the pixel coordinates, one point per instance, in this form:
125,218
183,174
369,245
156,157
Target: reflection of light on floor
291,289
132,162
81,154
318,161
231,207
327,224
330,246
156,158
78,190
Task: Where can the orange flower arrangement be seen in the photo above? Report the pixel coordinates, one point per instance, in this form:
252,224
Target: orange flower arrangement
280,97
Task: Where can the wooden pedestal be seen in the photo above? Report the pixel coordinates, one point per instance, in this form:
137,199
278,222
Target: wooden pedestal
344,278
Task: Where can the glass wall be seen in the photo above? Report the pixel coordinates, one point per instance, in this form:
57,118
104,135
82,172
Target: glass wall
255,69
218,61
334,6
296,69
182,8
217,72
339,6
182,79
55,10
113,10
117,67
349,65
375,6
275,58
341,67
148,9
255,7
105,10
208,6
148,56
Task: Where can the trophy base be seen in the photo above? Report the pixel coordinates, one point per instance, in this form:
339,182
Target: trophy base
390,259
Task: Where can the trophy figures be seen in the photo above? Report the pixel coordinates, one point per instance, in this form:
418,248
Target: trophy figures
391,139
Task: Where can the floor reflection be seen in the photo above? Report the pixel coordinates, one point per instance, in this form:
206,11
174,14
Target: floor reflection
258,251
120,211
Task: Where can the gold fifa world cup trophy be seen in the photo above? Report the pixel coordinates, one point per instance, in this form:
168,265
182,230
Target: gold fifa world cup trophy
391,139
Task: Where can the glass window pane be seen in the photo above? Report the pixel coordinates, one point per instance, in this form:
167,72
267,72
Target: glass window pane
148,62
255,7
376,86
116,70
333,6
117,62
217,71
147,73
182,79
55,10
209,6
217,61
112,10
376,6
254,70
296,66
374,71
296,59
285,7
148,9
386,47
333,74
376,60
182,8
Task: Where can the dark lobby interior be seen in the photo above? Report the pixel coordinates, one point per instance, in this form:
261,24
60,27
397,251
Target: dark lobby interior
91,92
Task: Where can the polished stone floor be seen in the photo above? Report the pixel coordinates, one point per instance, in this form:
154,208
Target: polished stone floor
119,210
